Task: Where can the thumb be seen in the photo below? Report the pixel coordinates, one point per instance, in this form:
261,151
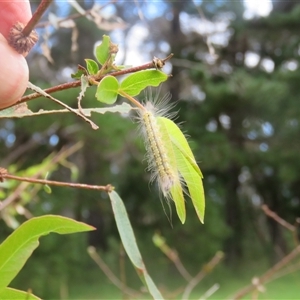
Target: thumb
13,76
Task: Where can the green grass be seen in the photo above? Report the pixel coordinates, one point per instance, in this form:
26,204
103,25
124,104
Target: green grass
285,288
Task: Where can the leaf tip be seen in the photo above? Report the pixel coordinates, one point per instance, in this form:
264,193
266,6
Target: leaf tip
92,227
182,219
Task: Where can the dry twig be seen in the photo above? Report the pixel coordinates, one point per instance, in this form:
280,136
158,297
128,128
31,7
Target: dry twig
260,281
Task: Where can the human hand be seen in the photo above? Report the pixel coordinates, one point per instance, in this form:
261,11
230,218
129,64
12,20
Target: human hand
14,69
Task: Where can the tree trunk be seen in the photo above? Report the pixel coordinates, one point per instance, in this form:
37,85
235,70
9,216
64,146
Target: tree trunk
233,217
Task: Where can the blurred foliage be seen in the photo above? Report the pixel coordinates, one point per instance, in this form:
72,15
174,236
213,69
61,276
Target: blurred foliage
242,119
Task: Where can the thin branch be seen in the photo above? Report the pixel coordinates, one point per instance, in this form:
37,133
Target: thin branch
207,268
36,17
109,274
73,16
210,47
156,63
265,277
43,93
23,37
58,88
210,291
288,270
61,155
282,222
275,217
172,254
5,175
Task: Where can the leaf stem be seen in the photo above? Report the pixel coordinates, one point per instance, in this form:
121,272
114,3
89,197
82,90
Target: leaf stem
132,100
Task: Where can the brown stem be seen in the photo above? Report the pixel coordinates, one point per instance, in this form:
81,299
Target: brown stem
78,113
241,293
23,37
36,17
109,274
275,217
60,156
207,268
51,90
172,255
4,175
150,65
282,222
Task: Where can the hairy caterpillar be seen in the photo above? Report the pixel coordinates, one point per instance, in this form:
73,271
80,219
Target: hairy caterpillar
157,156
170,159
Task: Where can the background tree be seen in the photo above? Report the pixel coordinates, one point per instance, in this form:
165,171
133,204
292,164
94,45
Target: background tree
236,83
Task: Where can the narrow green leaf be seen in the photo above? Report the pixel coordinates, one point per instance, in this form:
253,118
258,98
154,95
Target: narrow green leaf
176,189
177,196
188,167
125,230
138,81
180,141
102,50
92,66
13,294
107,90
155,293
186,164
193,182
129,243
18,247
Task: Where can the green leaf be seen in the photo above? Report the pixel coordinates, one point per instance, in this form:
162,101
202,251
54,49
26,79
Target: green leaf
129,243
194,184
186,163
176,189
107,90
92,66
181,143
18,247
135,83
80,71
178,198
47,189
74,171
13,294
102,50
